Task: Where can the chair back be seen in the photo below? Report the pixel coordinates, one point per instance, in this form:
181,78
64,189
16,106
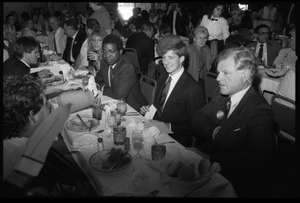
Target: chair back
148,88
210,84
133,57
284,116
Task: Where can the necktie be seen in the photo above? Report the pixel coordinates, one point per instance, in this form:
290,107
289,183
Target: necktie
111,74
214,19
260,53
164,94
228,104
55,48
67,52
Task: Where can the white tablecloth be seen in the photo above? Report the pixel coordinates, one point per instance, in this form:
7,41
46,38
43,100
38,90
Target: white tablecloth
109,184
54,67
267,83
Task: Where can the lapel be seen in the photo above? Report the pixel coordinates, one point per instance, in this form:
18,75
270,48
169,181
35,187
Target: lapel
177,91
230,123
160,85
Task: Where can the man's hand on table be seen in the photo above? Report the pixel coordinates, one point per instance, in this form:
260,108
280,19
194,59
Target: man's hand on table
144,109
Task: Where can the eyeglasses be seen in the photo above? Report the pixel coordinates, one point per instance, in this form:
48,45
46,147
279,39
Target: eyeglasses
110,52
264,33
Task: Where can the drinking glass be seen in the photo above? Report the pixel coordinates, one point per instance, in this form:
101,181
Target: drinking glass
122,107
111,122
137,142
85,81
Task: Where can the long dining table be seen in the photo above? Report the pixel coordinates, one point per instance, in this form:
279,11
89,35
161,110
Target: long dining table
142,176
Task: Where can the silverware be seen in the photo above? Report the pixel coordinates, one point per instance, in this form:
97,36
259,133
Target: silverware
100,131
167,142
82,121
132,114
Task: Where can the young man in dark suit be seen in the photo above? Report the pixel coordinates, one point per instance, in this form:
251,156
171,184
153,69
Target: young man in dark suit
143,43
75,39
270,48
184,96
117,77
236,128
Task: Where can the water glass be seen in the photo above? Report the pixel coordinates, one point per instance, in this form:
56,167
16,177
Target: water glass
97,112
137,142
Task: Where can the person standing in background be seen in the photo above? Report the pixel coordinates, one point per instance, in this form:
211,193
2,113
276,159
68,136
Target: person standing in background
101,14
218,28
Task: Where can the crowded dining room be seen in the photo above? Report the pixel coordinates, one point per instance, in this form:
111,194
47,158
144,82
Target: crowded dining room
157,100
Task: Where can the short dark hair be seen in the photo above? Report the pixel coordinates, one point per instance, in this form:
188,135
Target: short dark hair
261,26
114,39
72,22
21,94
92,24
24,44
172,42
164,28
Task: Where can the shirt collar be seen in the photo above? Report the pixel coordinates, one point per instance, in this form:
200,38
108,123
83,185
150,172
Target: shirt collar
25,63
75,34
236,98
177,75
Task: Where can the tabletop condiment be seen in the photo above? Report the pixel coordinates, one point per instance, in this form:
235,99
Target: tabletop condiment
127,144
100,144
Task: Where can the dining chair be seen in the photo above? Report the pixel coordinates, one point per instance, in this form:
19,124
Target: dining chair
148,88
284,116
210,84
133,57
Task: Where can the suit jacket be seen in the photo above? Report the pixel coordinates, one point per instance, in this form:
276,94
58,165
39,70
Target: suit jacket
61,40
180,22
14,66
78,41
245,144
144,47
124,85
273,48
186,98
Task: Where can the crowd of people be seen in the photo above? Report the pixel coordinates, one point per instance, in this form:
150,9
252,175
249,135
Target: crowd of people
176,50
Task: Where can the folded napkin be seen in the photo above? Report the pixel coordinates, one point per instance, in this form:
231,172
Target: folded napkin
152,131
84,142
66,68
136,125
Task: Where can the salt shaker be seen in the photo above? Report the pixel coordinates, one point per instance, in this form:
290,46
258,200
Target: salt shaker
100,144
127,144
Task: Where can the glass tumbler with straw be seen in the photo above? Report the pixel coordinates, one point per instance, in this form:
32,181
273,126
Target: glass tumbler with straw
111,122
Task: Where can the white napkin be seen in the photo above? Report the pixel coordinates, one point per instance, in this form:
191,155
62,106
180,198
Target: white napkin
84,142
136,125
66,68
152,131
92,85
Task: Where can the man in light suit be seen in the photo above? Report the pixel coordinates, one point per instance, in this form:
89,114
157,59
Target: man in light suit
240,135
57,38
123,83
75,39
271,48
184,97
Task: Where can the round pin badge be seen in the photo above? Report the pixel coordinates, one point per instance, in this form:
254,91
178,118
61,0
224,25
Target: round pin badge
220,114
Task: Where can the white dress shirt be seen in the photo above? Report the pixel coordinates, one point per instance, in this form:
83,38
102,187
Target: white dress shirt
265,53
217,29
236,98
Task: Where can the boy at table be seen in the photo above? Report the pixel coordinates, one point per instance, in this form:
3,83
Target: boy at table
236,128
117,76
184,97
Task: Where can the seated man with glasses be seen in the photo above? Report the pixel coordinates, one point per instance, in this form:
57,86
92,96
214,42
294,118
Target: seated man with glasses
264,48
117,76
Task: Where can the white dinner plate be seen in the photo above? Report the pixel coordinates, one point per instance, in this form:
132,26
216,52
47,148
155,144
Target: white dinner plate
276,72
76,125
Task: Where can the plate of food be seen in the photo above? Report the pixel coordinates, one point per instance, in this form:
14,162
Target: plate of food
276,72
76,125
110,160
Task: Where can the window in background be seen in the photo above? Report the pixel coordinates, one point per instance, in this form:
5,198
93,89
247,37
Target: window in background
243,7
125,10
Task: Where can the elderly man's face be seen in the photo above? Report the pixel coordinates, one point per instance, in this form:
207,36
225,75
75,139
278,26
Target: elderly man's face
263,35
230,79
54,24
172,62
200,40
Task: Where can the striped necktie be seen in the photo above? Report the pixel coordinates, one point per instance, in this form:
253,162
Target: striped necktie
164,93
111,75
228,104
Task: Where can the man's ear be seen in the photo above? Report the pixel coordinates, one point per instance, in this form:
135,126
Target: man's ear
246,74
31,117
121,51
182,58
